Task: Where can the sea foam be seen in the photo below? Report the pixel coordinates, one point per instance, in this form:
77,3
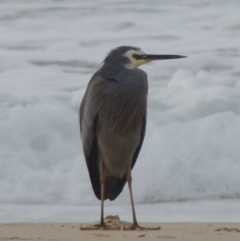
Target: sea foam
49,51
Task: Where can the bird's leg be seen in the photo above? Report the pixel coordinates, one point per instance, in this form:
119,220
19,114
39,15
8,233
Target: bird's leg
102,225
129,180
102,180
135,224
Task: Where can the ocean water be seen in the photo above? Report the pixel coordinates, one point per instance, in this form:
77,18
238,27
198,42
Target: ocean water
190,211
49,51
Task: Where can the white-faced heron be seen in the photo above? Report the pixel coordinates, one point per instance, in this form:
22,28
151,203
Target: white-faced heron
113,122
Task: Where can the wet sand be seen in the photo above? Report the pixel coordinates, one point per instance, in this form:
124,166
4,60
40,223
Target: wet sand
168,231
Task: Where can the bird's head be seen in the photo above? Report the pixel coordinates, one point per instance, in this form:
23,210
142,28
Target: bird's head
132,57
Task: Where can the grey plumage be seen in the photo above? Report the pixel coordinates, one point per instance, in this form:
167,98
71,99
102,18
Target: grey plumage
113,121
118,109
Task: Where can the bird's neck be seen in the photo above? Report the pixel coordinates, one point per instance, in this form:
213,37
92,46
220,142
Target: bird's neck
116,72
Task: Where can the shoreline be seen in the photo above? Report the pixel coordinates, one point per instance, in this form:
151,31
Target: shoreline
194,211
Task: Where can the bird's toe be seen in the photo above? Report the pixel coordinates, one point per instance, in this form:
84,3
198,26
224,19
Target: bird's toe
135,226
100,227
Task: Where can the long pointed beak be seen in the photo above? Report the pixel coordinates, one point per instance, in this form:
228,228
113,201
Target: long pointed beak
151,57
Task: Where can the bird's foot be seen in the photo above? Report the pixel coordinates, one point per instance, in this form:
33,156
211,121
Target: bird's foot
135,226
103,225
100,227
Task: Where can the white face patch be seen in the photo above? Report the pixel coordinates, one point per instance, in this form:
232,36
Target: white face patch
134,63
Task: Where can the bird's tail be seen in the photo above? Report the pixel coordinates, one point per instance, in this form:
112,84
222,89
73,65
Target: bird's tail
113,187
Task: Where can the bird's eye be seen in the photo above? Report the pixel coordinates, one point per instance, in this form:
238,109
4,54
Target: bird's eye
136,56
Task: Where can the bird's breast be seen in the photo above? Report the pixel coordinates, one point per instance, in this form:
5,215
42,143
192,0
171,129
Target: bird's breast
124,103
121,111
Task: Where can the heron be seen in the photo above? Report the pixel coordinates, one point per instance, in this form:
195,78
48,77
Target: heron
113,122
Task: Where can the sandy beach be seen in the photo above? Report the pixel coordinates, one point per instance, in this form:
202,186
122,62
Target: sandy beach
168,231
